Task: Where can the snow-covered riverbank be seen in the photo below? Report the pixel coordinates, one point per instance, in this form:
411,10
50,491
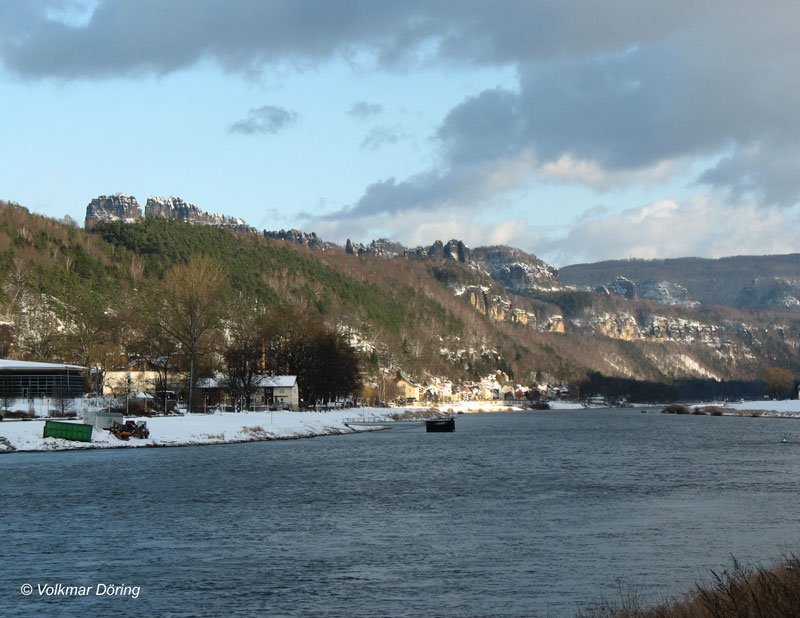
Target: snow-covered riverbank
220,428
786,408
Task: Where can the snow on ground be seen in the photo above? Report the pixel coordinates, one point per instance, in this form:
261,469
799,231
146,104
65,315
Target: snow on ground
219,428
566,405
785,405
501,406
786,408
477,406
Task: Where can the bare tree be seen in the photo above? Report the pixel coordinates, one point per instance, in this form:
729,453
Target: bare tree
243,357
191,307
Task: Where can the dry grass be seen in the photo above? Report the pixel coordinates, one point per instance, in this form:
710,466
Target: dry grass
738,592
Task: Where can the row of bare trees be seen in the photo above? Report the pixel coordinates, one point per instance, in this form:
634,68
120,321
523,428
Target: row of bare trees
215,330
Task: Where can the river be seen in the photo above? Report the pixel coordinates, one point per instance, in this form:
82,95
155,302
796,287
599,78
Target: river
527,514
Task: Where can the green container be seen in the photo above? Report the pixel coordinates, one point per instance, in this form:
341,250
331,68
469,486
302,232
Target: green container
68,431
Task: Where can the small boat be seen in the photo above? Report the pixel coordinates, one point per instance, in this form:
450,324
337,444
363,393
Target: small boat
440,425
784,440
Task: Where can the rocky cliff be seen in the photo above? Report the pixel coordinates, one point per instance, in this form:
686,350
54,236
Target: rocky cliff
120,207
309,239
117,207
180,210
515,270
664,292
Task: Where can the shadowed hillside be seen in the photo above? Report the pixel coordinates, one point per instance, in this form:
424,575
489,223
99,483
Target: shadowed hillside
743,281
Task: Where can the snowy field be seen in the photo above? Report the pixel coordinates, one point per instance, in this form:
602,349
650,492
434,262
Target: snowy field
219,428
786,408
222,427
226,428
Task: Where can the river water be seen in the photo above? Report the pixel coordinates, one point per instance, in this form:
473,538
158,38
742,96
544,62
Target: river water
530,514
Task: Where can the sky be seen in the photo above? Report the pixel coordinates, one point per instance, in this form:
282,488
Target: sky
576,131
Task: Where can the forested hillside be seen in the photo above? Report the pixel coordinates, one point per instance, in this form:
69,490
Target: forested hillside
206,300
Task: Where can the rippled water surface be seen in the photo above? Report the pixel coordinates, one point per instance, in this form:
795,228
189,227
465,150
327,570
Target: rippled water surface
531,514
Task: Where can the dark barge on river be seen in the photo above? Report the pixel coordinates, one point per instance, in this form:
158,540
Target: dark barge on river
440,425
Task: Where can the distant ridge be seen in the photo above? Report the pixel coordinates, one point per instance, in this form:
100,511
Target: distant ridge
744,282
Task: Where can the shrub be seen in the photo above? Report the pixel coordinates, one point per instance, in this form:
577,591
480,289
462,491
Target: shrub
740,591
675,409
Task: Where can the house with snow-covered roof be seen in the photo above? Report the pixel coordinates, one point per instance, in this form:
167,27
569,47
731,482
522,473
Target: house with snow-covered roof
280,390
272,391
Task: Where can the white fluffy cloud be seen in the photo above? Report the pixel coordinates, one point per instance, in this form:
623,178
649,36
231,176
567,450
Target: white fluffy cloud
697,227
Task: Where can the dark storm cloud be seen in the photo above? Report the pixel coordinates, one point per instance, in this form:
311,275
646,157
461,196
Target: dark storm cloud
264,120
152,36
124,37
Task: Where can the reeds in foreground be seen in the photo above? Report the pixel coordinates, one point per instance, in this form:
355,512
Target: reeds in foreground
738,592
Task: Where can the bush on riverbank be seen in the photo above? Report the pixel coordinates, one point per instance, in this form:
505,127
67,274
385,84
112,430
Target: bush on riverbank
675,409
741,592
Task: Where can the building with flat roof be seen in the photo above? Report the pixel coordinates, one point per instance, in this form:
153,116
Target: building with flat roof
30,380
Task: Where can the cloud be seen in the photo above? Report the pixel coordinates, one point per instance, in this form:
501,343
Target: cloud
413,230
381,136
700,226
364,109
463,188
638,105
609,94
155,37
268,119
151,36
763,171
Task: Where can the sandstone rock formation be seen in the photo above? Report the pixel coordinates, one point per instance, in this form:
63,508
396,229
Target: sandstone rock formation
117,207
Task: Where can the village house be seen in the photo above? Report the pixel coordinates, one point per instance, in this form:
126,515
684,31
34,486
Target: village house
270,391
407,391
280,390
438,390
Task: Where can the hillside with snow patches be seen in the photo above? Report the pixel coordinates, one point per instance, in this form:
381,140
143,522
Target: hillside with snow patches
443,310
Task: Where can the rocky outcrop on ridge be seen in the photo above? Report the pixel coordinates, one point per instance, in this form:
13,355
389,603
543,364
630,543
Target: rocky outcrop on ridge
120,207
664,292
514,269
296,236
451,250
117,207
382,247
180,210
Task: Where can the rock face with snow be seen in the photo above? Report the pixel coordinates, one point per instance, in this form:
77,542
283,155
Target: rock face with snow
496,307
117,207
125,208
773,292
178,209
296,236
664,292
514,269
